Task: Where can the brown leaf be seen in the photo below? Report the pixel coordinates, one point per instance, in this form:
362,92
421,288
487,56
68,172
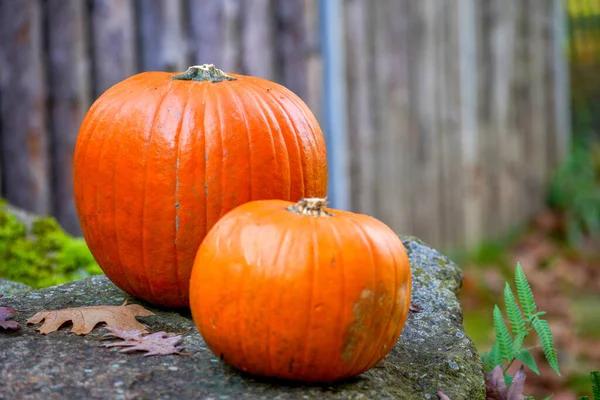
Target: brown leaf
442,396
494,384
415,307
86,318
6,313
158,343
496,388
515,390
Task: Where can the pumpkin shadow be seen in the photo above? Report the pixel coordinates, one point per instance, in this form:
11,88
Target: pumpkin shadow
294,384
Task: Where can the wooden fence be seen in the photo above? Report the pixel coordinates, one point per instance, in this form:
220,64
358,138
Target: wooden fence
456,110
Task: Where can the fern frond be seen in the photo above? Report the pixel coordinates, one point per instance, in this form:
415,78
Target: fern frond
502,335
517,326
595,378
527,359
518,342
543,330
495,356
524,292
583,398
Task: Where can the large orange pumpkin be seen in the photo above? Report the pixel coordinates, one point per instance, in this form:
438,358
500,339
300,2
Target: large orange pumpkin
160,157
300,292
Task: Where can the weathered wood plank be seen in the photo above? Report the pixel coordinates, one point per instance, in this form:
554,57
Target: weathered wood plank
113,42
162,44
391,84
68,74
291,46
521,101
258,58
426,186
538,48
314,59
488,147
470,168
23,110
502,39
215,33
453,234
361,130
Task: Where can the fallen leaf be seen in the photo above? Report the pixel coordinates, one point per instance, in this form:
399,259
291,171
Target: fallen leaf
158,343
442,396
86,318
415,308
496,388
516,387
6,313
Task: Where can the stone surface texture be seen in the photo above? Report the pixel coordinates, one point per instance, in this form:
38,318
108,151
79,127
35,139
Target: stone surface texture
433,352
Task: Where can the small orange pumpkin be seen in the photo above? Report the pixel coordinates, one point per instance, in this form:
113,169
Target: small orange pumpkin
296,291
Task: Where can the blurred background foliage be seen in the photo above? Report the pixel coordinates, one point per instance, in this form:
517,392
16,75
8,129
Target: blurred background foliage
560,247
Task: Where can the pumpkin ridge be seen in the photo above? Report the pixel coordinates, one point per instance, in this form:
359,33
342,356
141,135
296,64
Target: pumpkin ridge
275,263
81,159
124,283
339,261
313,271
383,334
144,195
266,115
240,104
254,139
365,239
289,95
177,204
296,133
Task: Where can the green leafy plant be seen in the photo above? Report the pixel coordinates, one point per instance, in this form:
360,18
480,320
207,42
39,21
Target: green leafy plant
575,190
595,378
524,318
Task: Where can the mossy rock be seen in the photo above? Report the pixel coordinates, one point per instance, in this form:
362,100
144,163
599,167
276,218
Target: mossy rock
37,252
433,352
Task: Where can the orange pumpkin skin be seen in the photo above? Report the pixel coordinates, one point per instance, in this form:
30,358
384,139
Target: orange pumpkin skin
158,161
315,299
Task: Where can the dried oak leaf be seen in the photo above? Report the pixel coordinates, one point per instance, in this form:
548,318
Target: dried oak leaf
442,396
496,388
158,343
6,313
415,307
86,318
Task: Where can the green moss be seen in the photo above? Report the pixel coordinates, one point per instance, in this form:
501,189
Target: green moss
42,256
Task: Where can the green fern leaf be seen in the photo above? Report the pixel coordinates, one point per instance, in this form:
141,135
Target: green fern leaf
518,342
527,359
507,378
517,326
524,292
543,330
495,356
583,398
502,335
595,378
547,398
485,360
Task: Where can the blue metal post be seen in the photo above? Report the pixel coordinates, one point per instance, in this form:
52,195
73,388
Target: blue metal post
334,102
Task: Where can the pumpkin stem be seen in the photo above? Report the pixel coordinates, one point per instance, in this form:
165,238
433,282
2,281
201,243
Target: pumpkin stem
203,73
311,206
